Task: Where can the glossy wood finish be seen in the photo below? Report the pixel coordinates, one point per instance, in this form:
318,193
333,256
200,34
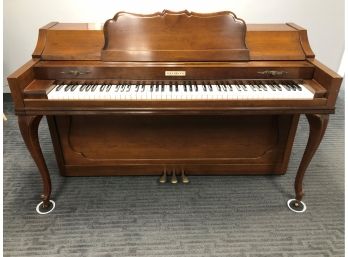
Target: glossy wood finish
18,80
329,79
186,142
145,137
188,36
28,126
264,42
317,127
156,71
304,40
41,42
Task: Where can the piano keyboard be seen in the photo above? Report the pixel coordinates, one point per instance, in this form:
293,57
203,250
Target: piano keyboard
225,90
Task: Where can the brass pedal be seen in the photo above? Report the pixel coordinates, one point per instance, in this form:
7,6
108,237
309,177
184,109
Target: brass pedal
163,178
184,178
174,180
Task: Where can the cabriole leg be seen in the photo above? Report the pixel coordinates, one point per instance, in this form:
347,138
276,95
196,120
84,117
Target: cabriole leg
29,129
317,127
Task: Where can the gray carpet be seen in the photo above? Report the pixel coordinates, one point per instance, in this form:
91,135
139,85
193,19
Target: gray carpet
213,216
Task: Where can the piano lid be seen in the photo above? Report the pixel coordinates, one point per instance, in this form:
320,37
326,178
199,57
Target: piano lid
173,36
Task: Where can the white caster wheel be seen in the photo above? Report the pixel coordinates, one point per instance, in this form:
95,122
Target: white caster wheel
41,210
297,206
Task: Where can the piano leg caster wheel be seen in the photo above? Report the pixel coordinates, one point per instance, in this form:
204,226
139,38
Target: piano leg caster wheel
41,210
297,206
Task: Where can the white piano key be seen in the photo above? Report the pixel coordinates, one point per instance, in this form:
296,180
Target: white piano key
306,93
219,90
52,94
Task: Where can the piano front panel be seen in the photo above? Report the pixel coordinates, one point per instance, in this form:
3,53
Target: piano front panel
145,145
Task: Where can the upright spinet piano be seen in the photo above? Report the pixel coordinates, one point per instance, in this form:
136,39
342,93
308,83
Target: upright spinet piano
173,94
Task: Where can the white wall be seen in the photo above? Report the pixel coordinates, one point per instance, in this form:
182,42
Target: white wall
324,20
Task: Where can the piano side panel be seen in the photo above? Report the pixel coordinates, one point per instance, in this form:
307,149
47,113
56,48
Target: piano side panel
145,145
19,79
329,79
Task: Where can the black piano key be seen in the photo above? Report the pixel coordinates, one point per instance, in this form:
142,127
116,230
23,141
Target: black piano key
253,87
59,87
94,87
263,86
239,88
88,87
258,87
277,85
290,86
67,87
210,88
101,89
217,83
286,82
204,86
271,86
242,85
296,85
284,85
224,87
74,87
82,88
221,86
108,87
122,87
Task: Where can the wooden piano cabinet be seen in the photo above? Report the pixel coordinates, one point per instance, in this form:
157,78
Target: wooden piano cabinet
88,145
239,137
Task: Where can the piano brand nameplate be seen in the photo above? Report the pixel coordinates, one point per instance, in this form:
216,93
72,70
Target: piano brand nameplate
177,73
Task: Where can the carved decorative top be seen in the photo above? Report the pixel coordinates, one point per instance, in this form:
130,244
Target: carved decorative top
175,36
